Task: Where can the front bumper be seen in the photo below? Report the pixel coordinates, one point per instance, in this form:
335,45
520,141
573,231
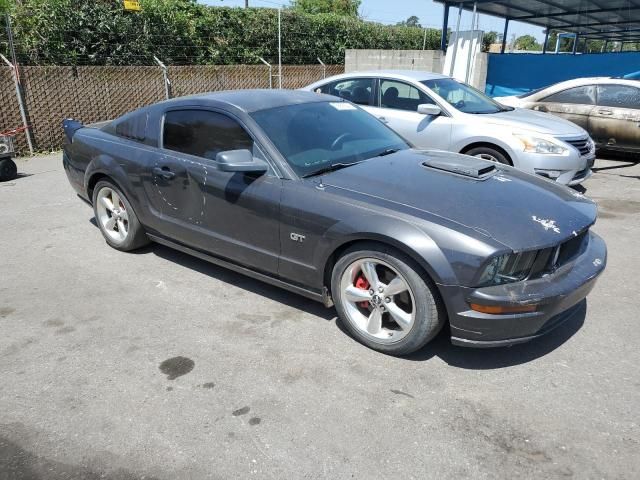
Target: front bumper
556,295
567,170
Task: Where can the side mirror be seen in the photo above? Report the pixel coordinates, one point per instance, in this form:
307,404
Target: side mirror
429,109
240,161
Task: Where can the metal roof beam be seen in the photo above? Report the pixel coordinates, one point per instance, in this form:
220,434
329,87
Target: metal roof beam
576,12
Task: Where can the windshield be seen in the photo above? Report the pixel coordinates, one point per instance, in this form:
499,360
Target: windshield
463,97
313,137
531,92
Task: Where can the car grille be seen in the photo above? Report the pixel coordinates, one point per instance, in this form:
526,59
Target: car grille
581,144
549,259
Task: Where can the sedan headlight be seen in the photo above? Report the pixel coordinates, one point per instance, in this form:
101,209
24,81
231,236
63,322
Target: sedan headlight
511,267
541,145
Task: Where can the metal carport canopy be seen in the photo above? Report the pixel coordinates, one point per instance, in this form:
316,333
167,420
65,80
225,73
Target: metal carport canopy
614,20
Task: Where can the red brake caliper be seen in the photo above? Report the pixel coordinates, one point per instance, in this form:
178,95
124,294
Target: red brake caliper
362,284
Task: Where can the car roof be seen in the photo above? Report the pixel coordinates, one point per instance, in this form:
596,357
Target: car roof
251,100
576,82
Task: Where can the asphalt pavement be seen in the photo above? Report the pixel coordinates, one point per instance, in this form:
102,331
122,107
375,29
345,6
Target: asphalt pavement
158,365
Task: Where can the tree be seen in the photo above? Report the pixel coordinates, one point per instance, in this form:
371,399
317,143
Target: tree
488,39
345,8
412,21
527,42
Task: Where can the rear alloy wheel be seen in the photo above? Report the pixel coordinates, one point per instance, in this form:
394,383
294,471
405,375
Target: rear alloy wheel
383,300
490,154
117,220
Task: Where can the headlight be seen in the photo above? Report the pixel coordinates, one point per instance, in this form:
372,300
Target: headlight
511,267
592,145
544,146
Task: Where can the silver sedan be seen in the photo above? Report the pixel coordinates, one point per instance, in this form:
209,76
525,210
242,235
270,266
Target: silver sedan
434,111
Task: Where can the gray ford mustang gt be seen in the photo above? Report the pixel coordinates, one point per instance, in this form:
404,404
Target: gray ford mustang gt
313,194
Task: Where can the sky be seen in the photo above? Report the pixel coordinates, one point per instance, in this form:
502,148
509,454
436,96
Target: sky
390,12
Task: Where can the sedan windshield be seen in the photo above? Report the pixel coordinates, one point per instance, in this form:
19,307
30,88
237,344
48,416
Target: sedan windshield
463,97
323,136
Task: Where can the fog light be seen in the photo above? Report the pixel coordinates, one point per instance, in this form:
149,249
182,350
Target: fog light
552,174
502,309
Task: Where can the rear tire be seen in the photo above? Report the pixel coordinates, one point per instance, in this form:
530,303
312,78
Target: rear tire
116,219
384,300
8,170
490,154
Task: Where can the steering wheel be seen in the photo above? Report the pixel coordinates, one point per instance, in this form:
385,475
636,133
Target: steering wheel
459,104
340,140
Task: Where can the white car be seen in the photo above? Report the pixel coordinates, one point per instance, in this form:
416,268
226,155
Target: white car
434,111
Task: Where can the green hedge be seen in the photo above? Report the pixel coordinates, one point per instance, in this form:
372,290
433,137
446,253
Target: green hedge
99,32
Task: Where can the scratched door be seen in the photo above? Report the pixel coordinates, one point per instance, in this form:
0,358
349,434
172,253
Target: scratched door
234,215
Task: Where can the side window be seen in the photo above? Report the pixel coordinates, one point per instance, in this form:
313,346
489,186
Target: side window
356,90
577,95
402,96
618,96
203,133
133,127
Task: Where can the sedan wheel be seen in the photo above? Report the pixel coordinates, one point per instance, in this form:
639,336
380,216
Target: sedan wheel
385,300
115,217
490,154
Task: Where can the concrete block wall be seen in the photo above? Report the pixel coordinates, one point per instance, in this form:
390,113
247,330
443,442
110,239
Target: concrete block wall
427,60
360,60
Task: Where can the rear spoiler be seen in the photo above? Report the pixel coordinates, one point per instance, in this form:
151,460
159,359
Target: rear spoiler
70,127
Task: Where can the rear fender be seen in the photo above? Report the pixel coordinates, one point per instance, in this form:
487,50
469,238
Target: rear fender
106,165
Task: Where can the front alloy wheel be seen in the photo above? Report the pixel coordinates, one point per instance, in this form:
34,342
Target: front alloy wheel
378,300
385,299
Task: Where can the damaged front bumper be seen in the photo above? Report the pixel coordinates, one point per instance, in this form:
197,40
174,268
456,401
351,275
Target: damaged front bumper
556,297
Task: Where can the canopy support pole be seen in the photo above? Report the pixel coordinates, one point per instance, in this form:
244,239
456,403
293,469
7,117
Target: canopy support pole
445,25
504,35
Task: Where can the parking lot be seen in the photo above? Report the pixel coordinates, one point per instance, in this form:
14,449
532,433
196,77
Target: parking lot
159,365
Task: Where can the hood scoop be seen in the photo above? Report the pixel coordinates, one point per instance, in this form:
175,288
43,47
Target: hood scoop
462,165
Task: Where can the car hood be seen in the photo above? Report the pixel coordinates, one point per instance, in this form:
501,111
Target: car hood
528,120
519,210
511,101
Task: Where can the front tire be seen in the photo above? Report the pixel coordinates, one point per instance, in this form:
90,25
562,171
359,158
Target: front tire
384,300
118,222
490,154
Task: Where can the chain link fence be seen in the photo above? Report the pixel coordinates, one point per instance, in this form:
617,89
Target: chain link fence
92,94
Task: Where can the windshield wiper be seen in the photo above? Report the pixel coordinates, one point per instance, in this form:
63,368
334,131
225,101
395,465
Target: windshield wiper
329,168
388,151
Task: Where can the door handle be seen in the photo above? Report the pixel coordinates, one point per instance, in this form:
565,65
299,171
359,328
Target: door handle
164,172
383,119
605,112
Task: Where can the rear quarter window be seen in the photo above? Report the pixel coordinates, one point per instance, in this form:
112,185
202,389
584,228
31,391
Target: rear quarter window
133,126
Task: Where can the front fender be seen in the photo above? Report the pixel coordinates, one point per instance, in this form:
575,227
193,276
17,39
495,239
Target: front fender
401,234
461,144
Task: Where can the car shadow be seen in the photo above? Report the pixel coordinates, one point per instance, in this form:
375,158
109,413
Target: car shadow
242,281
460,357
501,357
